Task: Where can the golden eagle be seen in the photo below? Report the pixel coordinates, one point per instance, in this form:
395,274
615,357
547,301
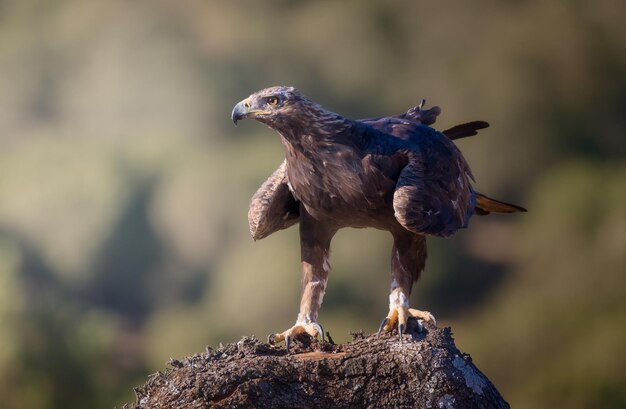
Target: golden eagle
392,173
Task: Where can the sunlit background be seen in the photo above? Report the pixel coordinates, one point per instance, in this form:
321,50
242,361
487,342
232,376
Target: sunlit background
124,186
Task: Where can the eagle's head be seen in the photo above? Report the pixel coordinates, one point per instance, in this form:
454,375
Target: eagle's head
270,105
287,111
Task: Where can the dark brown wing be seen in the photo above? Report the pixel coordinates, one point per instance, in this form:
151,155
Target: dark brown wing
392,124
273,207
433,194
401,126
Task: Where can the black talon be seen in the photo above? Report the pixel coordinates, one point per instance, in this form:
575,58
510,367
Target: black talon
382,325
287,343
320,331
400,330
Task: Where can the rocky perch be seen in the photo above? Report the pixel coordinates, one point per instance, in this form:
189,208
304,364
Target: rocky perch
424,370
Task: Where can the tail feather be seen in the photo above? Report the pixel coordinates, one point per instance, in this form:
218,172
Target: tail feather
486,205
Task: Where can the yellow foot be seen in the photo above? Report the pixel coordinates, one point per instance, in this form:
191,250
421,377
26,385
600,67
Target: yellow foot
312,328
400,314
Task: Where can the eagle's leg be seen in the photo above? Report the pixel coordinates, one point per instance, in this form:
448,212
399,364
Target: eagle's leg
408,257
315,237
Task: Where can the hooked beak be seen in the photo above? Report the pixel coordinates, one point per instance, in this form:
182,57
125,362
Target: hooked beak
247,109
240,111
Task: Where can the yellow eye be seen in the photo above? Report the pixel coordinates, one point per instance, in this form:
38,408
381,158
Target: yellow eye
272,101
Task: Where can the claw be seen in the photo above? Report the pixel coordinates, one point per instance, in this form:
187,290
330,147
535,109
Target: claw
287,343
423,315
312,329
320,331
401,321
398,317
382,325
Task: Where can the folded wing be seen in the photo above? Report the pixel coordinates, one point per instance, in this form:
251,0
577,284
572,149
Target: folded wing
273,207
433,194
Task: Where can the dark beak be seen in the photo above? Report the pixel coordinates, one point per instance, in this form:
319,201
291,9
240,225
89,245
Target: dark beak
239,112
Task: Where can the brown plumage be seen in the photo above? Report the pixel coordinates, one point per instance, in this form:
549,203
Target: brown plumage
393,173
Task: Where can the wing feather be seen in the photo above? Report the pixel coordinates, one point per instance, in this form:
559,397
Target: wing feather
465,130
273,207
433,194
401,126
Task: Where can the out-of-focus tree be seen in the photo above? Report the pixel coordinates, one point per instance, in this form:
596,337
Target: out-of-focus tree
124,188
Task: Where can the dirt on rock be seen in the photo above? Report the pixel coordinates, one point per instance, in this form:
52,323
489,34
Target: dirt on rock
423,370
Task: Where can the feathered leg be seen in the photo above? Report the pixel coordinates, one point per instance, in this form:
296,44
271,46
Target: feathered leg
408,257
315,240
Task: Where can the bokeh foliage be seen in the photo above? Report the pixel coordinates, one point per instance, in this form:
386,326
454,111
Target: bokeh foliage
124,186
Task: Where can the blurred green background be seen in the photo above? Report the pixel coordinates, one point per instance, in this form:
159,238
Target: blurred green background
124,186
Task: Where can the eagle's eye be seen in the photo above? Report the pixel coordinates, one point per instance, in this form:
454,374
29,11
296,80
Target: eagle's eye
272,101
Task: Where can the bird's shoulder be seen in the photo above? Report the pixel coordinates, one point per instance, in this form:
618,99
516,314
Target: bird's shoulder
389,135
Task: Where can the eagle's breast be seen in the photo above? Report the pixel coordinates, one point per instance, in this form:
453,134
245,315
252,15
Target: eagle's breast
338,182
